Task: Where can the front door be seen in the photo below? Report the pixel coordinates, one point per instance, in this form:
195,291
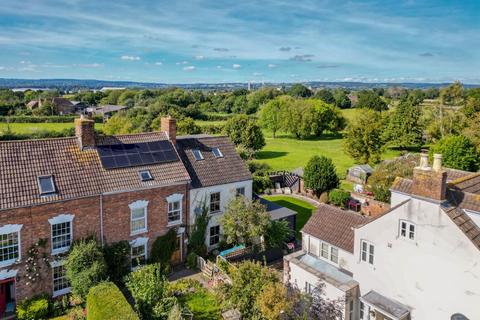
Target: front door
3,298
7,296
177,254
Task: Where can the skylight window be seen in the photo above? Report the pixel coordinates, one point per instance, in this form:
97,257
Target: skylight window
217,153
197,154
46,185
145,175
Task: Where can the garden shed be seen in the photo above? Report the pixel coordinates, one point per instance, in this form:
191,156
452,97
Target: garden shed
359,173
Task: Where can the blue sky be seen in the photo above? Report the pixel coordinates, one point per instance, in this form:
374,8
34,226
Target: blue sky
191,41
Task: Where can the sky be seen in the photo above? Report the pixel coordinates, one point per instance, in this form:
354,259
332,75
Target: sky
192,41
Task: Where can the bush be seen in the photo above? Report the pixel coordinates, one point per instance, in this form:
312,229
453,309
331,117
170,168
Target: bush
34,308
320,174
339,197
117,258
458,153
163,248
192,260
76,313
85,266
105,301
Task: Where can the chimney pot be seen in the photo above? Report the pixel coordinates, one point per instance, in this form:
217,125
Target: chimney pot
437,162
169,126
424,161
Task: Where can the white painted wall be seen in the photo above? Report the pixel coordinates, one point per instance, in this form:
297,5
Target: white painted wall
437,274
227,193
345,258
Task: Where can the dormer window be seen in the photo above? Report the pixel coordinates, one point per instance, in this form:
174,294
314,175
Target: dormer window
197,154
145,175
217,153
46,185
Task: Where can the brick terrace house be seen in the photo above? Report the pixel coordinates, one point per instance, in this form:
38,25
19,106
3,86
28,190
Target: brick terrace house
418,260
127,187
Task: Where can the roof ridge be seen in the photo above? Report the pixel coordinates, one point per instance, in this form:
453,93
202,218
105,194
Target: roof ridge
41,139
465,178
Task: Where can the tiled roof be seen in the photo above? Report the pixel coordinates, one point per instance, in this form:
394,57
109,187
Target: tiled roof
76,173
334,225
212,171
463,221
470,183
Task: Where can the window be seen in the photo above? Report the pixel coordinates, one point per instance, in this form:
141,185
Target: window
138,254
145,175
367,252
214,235
407,230
61,285
9,248
217,153
61,236
138,217
214,202
174,208
240,191
46,185
324,250
362,311
174,211
197,154
334,254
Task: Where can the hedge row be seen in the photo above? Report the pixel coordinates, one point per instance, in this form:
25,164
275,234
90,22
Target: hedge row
105,301
44,119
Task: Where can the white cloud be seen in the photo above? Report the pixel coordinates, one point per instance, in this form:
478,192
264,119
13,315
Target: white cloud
189,68
271,65
257,74
182,62
158,63
131,58
199,57
89,65
236,66
219,67
25,62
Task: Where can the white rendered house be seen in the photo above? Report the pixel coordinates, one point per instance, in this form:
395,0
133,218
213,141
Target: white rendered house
420,259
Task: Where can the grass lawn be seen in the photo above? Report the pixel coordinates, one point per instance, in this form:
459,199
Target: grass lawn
33,127
203,305
203,123
304,209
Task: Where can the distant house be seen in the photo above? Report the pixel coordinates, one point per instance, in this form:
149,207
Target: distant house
33,104
107,110
80,106
62,106
359,173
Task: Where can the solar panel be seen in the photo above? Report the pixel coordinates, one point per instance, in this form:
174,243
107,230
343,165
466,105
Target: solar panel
136,154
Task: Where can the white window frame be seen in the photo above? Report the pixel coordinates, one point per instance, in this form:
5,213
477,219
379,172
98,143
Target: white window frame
199,154
219,202
62,218
237,193
150,177
325,248
210,236
369,255
219,153
408,232
143,241
46,193
176,197
332,248
138,205
8,229
61,292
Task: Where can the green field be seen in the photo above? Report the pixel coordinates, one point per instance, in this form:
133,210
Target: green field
34,127
304,209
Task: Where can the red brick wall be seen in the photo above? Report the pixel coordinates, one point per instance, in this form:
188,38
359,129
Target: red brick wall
116,222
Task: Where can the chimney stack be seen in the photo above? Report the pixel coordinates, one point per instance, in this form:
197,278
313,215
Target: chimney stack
169,126
430,182
85,131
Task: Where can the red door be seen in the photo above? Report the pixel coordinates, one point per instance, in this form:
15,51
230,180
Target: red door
3,297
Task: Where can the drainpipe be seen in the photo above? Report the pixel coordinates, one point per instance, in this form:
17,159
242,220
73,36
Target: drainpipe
101,219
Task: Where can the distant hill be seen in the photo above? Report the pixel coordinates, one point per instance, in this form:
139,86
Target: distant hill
77,84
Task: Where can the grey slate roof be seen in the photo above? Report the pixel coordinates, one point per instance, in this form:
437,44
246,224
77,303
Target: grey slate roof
385,305
76,173
212,171
276,211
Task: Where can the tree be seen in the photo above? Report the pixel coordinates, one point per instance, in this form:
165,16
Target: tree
342,100
363,140
471,130
244,131
369,99
299,91
85,266
273,112
187,126
386,172
117,259
320,175
278,231
453,94
198,234
244,221
404,128
325,95
273,301
458,152
118,124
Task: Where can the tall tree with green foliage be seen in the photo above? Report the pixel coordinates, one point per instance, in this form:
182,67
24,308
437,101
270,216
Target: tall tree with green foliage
245,132
404,128
458,152
363,138
342,100
244,221
370,100
325,95
272,113
299,91
454,94
320,175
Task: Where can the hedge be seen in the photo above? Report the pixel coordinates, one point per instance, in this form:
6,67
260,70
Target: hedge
105,301
34,308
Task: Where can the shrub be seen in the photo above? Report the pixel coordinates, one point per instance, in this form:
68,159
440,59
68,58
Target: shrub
105,301
76,313
192,260
85,266
117,258
320,174
34,308
458,153
196,243
163,248
339,197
